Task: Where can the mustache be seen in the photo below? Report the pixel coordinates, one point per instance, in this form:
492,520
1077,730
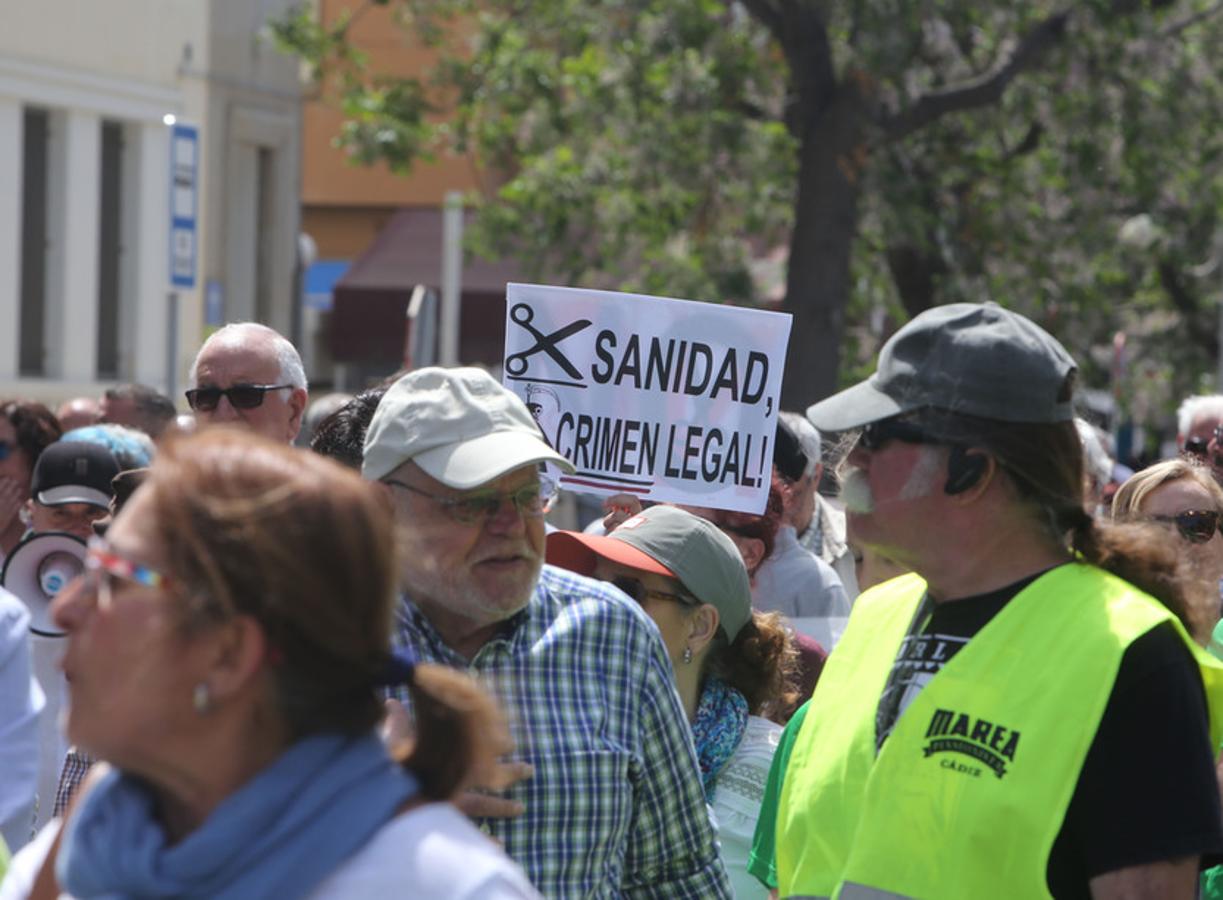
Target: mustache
856,491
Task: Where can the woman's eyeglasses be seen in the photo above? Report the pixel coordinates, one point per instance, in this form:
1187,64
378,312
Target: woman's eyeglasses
102,563
639,592
1197,526
241,396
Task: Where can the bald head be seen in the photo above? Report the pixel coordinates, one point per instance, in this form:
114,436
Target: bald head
78,412
249,354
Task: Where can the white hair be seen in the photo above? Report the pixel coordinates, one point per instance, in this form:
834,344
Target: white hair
808,439
1192,407
1095,458
236,334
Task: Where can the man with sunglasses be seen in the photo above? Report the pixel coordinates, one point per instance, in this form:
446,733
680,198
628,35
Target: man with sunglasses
607,800
1021,716
246,374
1199,430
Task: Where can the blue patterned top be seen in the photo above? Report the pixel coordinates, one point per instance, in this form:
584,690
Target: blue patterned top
615,807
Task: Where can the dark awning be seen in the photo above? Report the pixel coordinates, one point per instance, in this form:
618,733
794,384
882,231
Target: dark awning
371,300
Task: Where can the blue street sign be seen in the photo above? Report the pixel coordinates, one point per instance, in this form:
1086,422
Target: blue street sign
184,193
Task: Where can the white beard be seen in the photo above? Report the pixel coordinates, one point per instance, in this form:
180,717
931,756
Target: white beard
923,480
856,492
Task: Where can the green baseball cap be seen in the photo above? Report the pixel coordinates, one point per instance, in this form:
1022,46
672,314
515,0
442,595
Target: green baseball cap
668,541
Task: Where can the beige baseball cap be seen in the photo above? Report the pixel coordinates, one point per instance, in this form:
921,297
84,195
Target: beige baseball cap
459,425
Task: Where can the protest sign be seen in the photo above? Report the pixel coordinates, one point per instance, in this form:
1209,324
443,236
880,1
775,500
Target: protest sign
671,400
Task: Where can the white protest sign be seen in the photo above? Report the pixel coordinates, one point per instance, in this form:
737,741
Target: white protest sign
670,400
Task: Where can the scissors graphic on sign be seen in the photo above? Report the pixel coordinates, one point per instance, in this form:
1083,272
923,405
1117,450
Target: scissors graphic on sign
523,315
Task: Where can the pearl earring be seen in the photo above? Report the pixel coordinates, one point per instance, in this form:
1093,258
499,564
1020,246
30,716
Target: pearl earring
201,698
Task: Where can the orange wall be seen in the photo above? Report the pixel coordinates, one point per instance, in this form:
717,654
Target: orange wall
344,232
327,177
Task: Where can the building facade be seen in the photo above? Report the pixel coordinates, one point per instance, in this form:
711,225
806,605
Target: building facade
86,94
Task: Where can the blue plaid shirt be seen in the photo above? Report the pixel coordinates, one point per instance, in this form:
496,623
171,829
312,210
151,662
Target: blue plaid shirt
615,807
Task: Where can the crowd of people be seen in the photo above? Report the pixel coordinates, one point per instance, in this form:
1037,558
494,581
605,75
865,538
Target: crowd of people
337,649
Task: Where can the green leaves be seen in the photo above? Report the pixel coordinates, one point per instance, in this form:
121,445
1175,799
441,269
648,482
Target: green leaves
643,145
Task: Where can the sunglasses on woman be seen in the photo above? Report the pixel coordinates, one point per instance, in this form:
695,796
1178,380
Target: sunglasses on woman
1197,526
241,396
639,592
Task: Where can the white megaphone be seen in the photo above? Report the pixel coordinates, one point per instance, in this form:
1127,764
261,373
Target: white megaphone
38,569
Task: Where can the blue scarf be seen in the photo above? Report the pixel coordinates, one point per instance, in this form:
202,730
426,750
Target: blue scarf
721,718
279,835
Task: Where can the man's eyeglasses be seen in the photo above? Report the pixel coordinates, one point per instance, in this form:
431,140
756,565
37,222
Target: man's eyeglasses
876,434
1197,446
1200,446
6,449
470,509
1197,526
241,396
639,592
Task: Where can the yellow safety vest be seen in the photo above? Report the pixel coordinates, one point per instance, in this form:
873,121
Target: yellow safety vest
970,789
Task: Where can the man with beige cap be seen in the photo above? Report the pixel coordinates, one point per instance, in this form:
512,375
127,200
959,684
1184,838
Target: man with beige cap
612,803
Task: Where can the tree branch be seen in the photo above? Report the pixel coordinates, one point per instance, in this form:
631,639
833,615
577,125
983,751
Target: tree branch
981,91
768,14
1202,334
1189,21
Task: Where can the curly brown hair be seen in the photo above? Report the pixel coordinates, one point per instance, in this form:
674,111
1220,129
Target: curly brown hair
761,664
35,425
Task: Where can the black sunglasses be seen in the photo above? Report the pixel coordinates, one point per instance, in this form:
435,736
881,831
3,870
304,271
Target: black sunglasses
241,396
876,434
1197,446
1197,526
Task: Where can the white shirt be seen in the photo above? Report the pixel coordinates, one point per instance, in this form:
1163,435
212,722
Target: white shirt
800,585
432,851
737,796
21,702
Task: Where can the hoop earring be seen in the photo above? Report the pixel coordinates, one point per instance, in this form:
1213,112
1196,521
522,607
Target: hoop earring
201,698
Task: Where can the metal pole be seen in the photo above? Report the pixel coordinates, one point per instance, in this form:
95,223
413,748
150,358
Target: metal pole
1219,327
172,344
452,274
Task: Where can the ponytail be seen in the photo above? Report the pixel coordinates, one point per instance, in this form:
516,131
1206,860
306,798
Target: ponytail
1142,555
459,733
761,664
1044,463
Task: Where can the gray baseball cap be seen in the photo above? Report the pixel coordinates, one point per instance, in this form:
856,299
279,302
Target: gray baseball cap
975,359
459,425
668,541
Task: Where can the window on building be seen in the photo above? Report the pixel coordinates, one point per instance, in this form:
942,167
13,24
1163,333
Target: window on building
34,237
266,232
110,248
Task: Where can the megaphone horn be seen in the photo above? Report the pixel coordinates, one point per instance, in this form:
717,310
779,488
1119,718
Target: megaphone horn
38,569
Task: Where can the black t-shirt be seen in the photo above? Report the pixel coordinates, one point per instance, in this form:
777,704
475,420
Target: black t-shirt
1147,791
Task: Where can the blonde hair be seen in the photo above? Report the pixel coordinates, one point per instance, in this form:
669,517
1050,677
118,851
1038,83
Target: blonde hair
1130,497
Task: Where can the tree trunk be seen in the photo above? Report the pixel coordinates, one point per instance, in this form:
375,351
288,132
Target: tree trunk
831,158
